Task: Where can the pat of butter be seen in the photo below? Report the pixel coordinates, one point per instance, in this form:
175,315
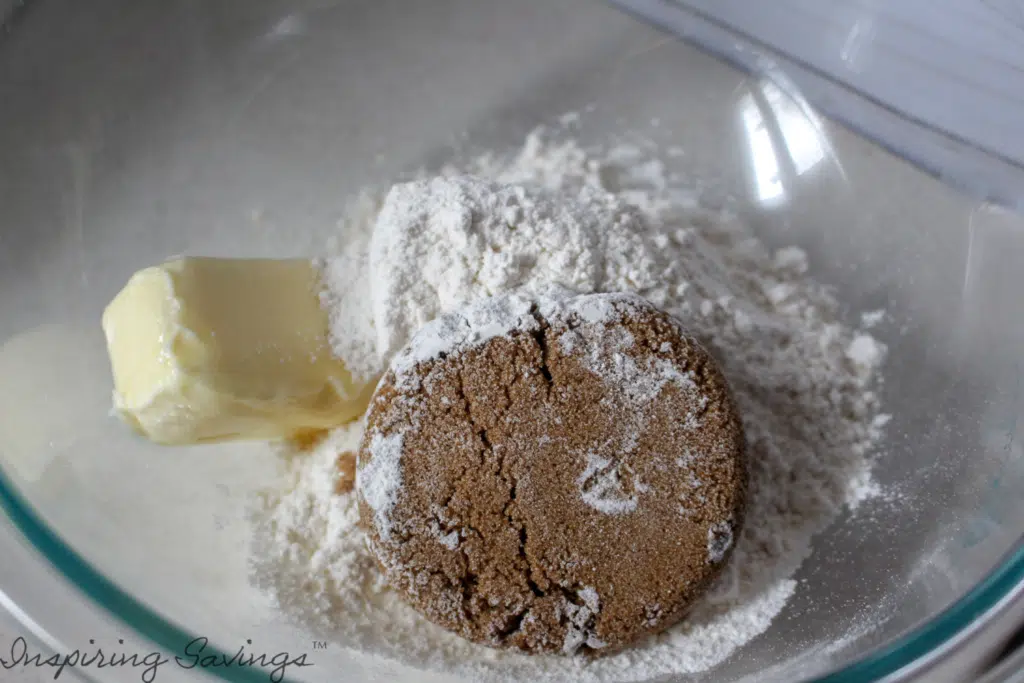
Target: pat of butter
208,349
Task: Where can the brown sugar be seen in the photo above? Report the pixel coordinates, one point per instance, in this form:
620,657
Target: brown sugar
568,486
346,466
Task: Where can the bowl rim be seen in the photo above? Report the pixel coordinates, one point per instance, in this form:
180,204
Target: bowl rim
905,657
969,168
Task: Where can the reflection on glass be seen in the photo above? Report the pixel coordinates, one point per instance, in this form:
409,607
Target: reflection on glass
764,165
800,135
861,35
784,140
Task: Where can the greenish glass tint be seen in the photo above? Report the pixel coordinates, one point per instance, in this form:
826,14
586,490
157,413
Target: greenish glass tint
171,638
939,630
104,592
133,130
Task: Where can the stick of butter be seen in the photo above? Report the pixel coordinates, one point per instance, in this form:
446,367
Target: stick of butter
208,349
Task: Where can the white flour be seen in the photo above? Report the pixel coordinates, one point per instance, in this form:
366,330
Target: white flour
802,380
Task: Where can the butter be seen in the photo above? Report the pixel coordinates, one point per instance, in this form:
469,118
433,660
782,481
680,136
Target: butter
206,349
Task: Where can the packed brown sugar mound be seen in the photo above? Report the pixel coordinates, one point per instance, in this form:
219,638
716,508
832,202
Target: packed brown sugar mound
554,474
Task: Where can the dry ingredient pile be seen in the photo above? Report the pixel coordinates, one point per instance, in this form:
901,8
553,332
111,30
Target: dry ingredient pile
605,220
553,474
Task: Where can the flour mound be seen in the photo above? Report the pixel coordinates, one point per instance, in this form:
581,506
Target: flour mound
608,220
442,242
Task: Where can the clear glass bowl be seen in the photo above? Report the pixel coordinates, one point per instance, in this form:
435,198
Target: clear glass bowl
132,131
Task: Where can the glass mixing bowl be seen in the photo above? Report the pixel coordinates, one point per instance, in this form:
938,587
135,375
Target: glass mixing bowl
132,131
